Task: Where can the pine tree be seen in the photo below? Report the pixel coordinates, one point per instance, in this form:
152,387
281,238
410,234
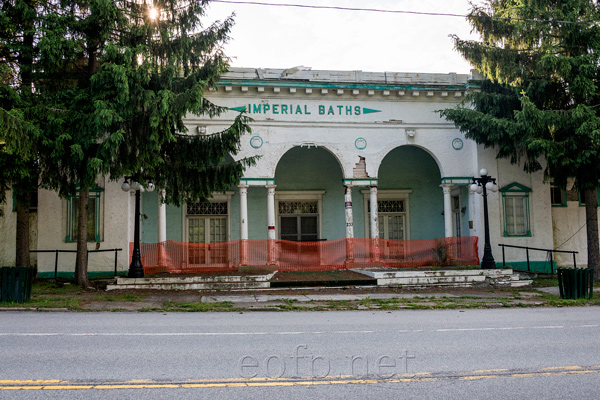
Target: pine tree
19,31
127,73
543,91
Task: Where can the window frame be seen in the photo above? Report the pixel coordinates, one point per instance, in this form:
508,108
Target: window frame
96,194
300,195
215,198
563,195
383,194
516,190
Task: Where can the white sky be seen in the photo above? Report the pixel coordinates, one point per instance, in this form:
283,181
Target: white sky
284,37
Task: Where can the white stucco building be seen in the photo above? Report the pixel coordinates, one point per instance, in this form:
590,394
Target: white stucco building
343,154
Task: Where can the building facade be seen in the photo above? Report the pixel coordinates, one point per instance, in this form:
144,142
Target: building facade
342,155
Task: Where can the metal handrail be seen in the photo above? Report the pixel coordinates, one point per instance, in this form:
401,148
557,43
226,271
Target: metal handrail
550,251
75,251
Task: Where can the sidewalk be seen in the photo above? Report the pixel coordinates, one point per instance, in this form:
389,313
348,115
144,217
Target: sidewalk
297,299
328,291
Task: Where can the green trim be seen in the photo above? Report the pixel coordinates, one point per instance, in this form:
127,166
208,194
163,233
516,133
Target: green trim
597,198
361,182
534,266
515,187
257,181
71,275
326,85
458,180
563,194
523,195
369,110
356,145
256,146
93,194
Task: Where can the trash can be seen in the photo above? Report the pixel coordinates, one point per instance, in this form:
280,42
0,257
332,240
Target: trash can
15,284
575,283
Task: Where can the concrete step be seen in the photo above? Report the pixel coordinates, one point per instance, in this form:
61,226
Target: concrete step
447,278
198,282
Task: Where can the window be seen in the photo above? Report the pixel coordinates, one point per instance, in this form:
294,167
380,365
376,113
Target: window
582,198
558,196
392,214
515,201
94,225
299,220
299,215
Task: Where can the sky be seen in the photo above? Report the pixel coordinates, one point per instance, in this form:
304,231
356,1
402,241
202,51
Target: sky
285,37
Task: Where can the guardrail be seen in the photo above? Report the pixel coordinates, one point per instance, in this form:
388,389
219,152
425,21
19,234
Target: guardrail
549,251
75,251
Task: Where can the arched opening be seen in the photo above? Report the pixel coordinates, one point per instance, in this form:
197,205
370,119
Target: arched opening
309,199
409,195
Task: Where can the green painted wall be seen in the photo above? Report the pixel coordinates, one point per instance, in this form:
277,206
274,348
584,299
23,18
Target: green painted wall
409,167
257,213
316,169
149,227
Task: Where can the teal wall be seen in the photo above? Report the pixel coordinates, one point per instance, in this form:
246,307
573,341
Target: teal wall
149,227
257,213
405,167
409,167
464,198
317,169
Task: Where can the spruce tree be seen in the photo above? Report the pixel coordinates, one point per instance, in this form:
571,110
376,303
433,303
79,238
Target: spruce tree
127,73
19,34
542,93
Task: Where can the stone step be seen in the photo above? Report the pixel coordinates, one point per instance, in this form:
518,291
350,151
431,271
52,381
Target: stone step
198,282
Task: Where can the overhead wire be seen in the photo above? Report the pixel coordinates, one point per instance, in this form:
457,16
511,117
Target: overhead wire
435,14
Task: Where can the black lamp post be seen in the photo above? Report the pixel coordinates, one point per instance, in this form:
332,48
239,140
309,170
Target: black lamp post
136,269
481,186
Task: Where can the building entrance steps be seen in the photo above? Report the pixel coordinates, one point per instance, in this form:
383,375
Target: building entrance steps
339,278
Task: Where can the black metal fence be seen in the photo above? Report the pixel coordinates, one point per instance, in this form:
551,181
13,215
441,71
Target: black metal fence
549,251
75,251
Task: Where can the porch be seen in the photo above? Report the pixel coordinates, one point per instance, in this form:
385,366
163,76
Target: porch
263,255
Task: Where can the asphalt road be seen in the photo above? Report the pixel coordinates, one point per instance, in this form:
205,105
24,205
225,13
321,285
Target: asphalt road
448,354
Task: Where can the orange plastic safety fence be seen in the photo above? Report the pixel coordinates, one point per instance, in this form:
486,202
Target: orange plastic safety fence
269,254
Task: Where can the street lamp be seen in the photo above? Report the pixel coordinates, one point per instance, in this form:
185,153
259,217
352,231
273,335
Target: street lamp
481,186
136,269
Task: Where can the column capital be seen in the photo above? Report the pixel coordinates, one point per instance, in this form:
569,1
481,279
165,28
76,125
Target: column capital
271,186
243,186
446,187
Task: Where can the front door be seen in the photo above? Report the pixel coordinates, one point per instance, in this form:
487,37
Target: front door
207,234
299,222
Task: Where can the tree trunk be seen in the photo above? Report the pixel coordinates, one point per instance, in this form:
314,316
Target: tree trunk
81,266
593,244
25,60
22,238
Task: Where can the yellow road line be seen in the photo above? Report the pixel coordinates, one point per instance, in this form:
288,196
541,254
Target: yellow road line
306,381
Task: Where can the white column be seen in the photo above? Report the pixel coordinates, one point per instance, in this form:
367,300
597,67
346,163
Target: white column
374,222
271,224
162,217
349,225
243,211
447,209
373,211
348,207
162,229
271,211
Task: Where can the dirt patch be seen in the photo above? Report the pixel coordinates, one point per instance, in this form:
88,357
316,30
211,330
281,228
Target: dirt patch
304,276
